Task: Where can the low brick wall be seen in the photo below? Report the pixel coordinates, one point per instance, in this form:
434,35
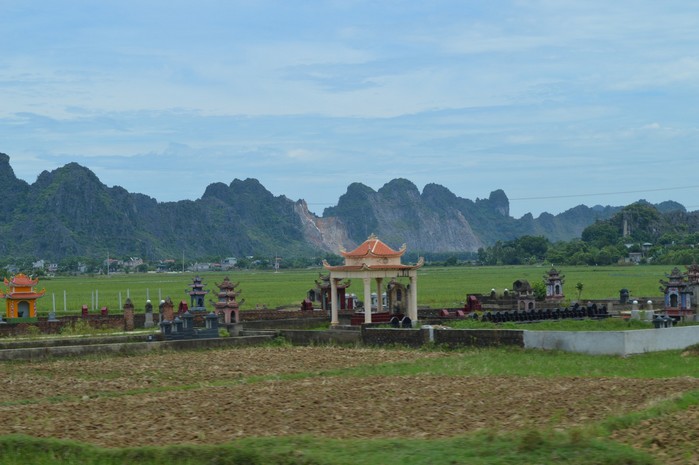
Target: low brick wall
447,337
38,353
74,341
54,327
273,314
290,323
479,337
394,336
304,338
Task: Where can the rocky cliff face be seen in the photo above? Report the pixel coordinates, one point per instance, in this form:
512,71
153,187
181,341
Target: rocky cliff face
399,214
436,220
327,234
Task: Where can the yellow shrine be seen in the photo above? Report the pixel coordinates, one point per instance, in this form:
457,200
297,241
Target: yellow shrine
20,296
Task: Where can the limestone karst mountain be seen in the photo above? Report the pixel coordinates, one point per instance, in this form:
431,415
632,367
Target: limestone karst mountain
70,212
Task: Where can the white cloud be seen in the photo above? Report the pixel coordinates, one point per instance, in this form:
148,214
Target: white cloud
472,95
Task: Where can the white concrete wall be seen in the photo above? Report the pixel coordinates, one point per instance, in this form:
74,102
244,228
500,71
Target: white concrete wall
613,342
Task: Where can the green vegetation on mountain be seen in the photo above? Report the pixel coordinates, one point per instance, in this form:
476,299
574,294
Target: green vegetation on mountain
68,214
665,234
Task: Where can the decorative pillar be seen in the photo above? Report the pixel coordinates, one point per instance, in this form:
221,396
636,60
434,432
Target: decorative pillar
367,300
149,315
334,320
412,308
379,295
168,313
128,315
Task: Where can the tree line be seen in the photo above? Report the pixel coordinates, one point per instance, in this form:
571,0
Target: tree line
670,238
638,234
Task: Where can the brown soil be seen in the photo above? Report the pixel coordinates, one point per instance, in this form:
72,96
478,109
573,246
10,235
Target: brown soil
672,438
93,376
210,397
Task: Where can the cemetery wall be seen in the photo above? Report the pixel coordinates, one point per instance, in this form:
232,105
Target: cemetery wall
441,336
394,336
287,323
273,314
37,353
613,342
479,337
74,341
305,337
55,327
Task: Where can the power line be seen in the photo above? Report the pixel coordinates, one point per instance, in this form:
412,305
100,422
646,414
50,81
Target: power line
604,193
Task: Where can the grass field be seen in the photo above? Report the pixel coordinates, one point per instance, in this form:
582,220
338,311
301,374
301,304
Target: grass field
437,286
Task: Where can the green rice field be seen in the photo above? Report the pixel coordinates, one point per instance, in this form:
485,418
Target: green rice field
437,286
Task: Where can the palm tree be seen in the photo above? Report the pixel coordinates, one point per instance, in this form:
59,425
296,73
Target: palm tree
579,286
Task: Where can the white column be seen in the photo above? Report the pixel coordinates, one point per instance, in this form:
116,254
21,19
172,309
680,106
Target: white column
412,307
334,320
379,292
367,300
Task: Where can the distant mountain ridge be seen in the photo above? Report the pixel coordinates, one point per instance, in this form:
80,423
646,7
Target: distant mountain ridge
70,212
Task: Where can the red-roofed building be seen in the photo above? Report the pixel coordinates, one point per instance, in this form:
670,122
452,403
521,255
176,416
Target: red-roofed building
20,298
375,260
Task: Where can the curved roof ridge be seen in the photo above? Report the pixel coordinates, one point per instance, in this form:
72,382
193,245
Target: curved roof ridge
373,246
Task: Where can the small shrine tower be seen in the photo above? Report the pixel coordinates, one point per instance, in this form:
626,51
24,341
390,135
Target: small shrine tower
526,300
20,298
693,281
692,274
196,294
227,303
554,286
678,299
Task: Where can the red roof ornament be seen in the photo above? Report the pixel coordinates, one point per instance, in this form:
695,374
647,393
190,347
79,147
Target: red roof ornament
373,254
375,248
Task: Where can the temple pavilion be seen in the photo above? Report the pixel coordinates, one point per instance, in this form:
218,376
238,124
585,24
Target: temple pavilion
20,297
373,261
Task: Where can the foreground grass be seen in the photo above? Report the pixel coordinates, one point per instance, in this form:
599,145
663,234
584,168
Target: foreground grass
477,449
522,362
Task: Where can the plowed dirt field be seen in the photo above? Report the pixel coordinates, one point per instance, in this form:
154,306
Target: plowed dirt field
217,396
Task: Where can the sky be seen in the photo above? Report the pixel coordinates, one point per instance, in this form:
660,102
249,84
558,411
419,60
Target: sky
556,102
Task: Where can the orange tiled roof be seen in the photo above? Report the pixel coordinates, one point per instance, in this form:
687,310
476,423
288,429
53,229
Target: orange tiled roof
375,267
21,279
373,247
370,267
22,295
